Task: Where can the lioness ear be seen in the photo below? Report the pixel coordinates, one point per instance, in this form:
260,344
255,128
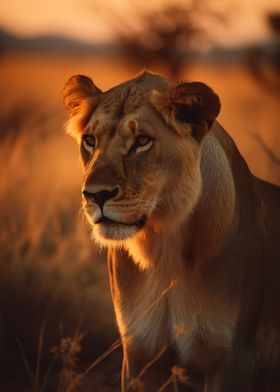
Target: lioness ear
80,97
188,103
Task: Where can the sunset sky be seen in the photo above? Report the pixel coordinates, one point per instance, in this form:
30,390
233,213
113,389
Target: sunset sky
79,19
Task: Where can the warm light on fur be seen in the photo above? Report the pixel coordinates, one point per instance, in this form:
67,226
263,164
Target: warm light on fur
183,222
80,99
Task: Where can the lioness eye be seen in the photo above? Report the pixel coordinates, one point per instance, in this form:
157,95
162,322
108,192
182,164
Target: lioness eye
142,140
89,142
142,143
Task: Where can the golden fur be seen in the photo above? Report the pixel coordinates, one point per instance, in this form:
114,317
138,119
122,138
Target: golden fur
191,260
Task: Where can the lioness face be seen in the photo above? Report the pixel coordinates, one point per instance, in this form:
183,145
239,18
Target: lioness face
137,162
141,165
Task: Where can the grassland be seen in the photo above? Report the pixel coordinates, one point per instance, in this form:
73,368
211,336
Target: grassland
56,316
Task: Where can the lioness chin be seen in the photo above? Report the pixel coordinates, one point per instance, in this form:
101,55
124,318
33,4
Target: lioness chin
191,235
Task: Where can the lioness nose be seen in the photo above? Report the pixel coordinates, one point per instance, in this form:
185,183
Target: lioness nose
101,197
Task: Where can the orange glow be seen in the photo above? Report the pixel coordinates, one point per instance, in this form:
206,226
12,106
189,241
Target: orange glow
81,21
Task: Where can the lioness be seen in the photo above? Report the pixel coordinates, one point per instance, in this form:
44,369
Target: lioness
191,234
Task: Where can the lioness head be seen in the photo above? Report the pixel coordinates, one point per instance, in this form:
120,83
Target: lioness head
140,147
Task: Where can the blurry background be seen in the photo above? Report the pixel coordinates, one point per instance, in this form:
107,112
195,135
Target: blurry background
56,316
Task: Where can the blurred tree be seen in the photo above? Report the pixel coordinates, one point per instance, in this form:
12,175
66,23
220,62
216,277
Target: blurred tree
164,35
264,62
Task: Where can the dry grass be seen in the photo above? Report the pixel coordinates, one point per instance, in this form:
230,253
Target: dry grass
50,270
52,278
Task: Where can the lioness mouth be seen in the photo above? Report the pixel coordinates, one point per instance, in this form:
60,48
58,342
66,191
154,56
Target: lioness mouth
107,221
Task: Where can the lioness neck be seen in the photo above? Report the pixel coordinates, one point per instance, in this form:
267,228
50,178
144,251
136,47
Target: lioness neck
198,238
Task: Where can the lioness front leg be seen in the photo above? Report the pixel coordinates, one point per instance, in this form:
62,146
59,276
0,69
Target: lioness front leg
234,375
141,373
213,381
